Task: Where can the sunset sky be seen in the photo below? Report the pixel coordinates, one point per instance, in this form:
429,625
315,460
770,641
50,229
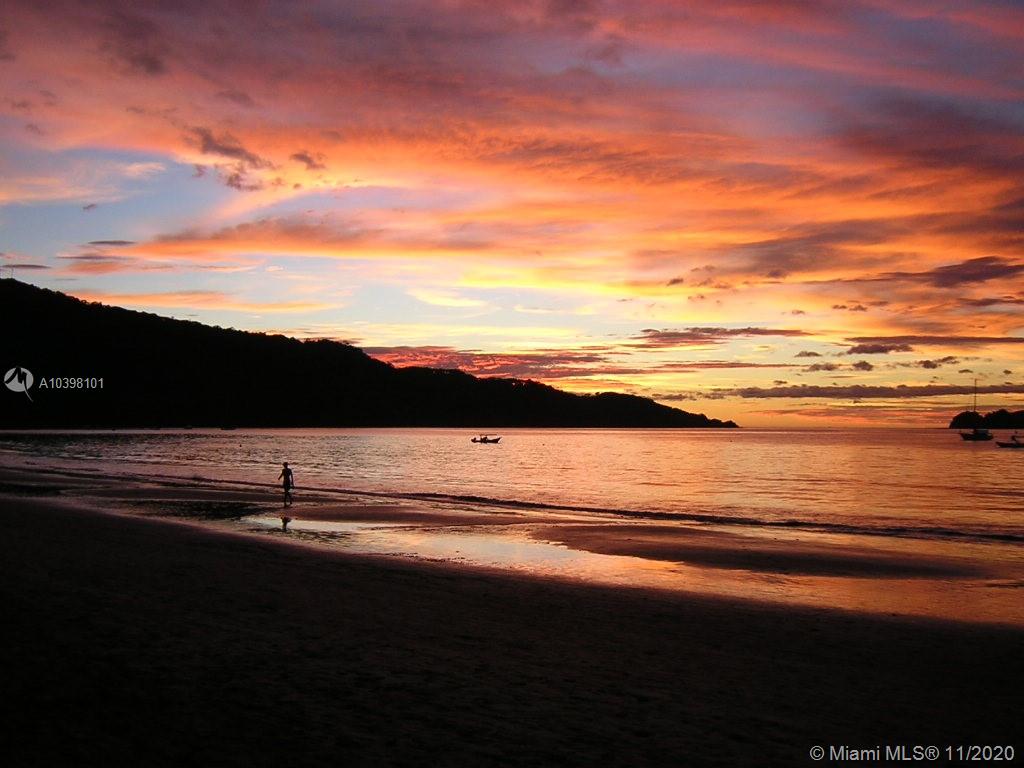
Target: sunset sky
784,213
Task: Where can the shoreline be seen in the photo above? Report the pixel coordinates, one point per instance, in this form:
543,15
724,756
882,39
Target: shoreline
861,574
164,641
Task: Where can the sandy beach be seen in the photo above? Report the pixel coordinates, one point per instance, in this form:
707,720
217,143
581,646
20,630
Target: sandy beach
176,640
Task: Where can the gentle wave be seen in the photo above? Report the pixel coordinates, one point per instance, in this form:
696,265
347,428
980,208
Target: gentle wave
707,518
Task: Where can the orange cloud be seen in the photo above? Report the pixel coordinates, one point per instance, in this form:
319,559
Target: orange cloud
659,164
210,300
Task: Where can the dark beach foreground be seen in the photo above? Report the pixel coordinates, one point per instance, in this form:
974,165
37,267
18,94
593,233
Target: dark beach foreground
151,642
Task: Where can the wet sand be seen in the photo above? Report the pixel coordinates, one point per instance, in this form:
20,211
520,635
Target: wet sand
718,549
146,640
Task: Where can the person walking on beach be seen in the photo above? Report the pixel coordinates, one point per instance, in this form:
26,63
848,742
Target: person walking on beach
287,482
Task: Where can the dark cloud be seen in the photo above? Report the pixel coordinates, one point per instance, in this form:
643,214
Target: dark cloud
599,160
807,353
582,12
312,163
851,307
979,270
89,256
337,231
240,98
93,263
1001,226
863,365
610,50
711,365
810,247
879,348
902,343
674,397
933,364
862,391
89,207
136,44
934,134
705,276
592,159
5,51
823,367
925,413
329,233
545,363
540,364
111,243
225,145
26,265
696,336
235,174
992,301
237,179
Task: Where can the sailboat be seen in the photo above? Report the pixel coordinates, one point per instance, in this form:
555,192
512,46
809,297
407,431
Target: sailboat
978,434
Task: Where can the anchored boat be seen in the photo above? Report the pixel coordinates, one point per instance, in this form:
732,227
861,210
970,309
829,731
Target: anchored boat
978,434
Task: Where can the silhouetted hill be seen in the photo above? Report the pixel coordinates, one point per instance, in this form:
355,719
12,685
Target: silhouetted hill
157,371
1001,419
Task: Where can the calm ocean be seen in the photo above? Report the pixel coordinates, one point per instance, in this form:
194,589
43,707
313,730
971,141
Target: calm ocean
905,483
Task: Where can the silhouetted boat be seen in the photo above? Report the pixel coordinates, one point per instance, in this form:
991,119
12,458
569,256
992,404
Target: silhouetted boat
485,439
978,434
1013,442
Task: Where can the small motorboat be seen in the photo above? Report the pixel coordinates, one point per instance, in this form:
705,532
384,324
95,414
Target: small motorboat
1013,442
485,439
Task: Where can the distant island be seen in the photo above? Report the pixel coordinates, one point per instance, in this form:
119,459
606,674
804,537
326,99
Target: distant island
109,367
1001,419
